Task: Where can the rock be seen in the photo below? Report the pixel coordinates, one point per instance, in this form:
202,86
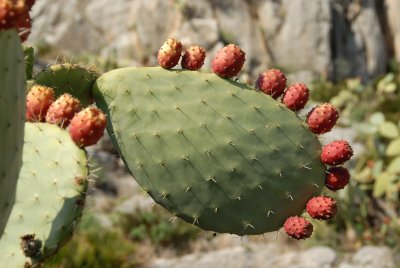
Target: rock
297,41
359,49
243,31
372,257
318,257
156,20
201,32
393,10
231,257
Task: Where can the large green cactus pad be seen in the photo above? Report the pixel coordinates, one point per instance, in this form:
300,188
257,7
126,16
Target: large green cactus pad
12,113
69,78
50,194
214,152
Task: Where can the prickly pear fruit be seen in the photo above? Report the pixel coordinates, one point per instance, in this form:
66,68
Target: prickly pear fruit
87,126
193,58
170,53
322,207
322,119
228,61
272,82
298,227
336,153
337,178
15,14
63,110
296,96
38,102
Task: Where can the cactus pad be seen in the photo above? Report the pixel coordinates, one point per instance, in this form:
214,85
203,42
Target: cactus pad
50,196
69,78
214,152
12,113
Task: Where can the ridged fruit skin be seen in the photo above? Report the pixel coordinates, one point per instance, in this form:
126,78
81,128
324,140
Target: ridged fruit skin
215,152
38,101
322,207
272,82
337,178
169,53
193,58
12,119
87,126
298,227
296,96
228,61
50,197
336,153
322,119
63,110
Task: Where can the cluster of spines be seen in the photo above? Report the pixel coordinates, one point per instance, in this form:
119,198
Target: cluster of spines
86,126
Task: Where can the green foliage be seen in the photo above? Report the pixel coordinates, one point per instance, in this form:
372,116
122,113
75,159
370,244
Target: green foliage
368,208
96,246
157,226
214,152
12,113
29,53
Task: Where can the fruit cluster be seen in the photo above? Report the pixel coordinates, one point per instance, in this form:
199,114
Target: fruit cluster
15,14
227,63
86,126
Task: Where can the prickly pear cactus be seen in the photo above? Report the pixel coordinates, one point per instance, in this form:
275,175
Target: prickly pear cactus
69,78
12,112
214,152
50,197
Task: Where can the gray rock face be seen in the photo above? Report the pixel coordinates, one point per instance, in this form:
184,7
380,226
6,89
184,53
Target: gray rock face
393,9
371,257
297,33
358,41
254,256
334,38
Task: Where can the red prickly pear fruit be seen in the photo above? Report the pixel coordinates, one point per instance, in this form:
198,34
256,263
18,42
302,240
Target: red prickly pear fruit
15,14
87,126
322,119
322,207
38,101
228,61
337,178
296,96
63,110
272,82
193,58
298,227
336,153
169,53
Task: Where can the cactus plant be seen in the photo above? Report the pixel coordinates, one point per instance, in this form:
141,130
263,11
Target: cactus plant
214,152
12,113
69,78
50,196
